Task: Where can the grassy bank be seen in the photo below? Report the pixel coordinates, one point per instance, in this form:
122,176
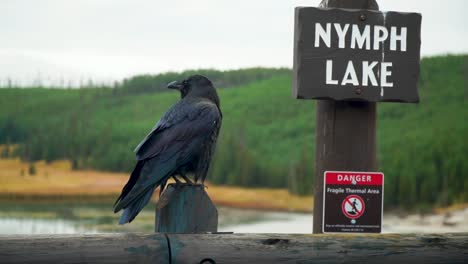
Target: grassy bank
56,181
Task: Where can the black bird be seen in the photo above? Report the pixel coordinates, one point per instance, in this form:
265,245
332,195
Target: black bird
182,142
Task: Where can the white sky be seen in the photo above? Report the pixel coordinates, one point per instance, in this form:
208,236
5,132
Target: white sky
109,40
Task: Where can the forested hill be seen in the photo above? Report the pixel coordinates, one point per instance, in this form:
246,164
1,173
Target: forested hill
224,79
267,137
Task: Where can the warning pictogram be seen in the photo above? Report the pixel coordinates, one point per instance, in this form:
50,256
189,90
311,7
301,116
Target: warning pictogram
353,206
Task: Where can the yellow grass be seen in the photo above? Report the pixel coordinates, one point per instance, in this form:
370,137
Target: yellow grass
58,180
452,208
268,199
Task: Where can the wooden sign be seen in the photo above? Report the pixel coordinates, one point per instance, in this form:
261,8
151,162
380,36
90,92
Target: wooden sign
346,54
352,202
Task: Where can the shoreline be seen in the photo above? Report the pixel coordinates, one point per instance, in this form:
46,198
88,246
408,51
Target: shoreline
100,199
41,198
56,182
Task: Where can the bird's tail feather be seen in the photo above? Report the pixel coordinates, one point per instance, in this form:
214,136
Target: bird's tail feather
137,193
128,187
135,207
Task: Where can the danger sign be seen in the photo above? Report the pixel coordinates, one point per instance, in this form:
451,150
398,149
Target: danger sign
352,202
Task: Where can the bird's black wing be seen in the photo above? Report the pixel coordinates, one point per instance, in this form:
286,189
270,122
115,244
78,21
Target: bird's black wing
181,121
174,115
169,146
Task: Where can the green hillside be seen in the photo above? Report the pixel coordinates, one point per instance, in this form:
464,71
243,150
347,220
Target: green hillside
267,137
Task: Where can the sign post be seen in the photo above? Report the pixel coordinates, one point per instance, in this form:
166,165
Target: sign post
350,56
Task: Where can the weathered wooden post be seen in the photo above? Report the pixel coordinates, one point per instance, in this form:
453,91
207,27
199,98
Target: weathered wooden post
347,150
349,60
186,208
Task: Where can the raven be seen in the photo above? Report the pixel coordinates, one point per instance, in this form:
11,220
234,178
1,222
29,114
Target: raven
182,142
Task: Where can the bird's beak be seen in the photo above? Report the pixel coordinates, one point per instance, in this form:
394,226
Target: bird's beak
175,85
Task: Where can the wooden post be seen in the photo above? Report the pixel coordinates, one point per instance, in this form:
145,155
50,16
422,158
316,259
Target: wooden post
186,208
345,132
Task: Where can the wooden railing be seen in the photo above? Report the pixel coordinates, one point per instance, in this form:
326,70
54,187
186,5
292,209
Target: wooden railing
235,248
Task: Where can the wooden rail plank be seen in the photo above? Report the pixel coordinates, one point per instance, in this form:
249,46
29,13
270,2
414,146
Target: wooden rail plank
235,248
263,248
95,248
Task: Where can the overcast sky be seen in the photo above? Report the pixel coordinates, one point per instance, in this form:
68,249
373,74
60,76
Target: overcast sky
112,39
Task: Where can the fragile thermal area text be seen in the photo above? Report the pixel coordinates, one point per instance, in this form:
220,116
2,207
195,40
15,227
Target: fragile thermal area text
353,191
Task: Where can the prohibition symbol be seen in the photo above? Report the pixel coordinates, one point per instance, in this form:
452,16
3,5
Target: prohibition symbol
353,206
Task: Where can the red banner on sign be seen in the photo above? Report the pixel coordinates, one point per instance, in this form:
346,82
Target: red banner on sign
355,178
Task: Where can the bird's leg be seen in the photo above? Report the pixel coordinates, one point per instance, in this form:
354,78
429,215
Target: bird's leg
161,187
176,180
187,180
203,182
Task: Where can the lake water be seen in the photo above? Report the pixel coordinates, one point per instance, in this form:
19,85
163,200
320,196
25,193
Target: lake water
82,218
